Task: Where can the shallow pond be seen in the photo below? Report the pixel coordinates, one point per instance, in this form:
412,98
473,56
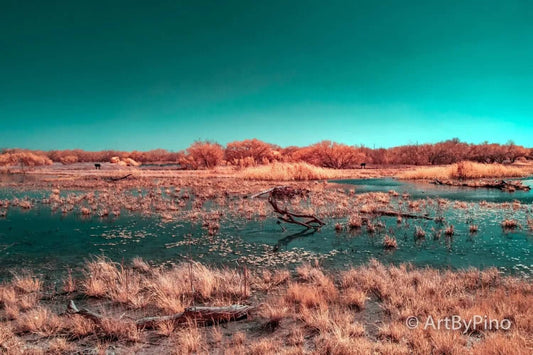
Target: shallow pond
50,242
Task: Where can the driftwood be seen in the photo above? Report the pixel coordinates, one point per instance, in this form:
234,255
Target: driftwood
286,192
397,214
73,309
501,185
200,315
119,178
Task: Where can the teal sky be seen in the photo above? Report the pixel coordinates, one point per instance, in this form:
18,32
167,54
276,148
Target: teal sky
161,74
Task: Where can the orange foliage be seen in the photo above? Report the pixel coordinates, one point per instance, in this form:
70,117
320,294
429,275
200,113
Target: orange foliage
252,152
331,155
24,158
205,154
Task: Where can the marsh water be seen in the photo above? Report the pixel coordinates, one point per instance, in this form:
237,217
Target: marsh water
48,242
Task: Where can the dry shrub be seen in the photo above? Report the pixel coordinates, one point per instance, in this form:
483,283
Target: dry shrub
170,290
39,320
120,330
94,287
264,346
127,289
307,296
69,284
296,337
390,242
25,302
100,275
60,346
355,222
354,298
274,314
238,338
280,277
140,265
393,332
169,302
289,172
7,294
121,285
446,342
189,339
9,342
322,283
78,326
166,328
502,343
338,333
12,310
26,283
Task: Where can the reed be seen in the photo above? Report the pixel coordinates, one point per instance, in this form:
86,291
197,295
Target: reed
289,172
466,170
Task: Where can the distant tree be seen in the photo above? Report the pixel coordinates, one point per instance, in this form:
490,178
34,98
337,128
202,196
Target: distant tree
68,159
515,151
289,154
205,154
24,159
379,156
249,152
331,155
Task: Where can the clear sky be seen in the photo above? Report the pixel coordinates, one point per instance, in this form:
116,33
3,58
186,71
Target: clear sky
161,74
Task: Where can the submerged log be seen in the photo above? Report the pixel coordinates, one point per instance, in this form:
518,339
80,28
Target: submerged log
200,315
503,185
119,178
397,214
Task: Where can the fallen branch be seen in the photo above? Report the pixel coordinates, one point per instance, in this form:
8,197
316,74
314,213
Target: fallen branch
200,315
119,178
397,214
501,185
73,309
286,192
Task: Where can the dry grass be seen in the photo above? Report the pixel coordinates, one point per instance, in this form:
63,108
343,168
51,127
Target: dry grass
189,340
274,314
60,346
26,283
39,320
329,313
290,172
466,170
114,329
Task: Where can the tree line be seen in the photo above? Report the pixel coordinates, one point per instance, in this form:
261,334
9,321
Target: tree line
251,152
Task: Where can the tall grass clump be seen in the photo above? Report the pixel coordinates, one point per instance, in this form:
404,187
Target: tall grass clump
289,172
466,170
